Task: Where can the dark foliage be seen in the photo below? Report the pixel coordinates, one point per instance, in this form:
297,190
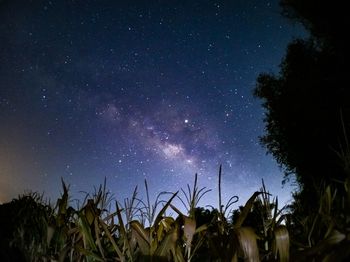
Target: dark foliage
19,219
7,252
308,103
218,241
327,21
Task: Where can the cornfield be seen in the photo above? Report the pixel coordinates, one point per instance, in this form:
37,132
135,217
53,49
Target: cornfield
139,230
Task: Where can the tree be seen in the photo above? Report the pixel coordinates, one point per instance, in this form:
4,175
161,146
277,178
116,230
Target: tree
308,103
23,228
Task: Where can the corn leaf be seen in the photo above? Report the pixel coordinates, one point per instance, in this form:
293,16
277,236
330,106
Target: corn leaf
247,241
246,209
189,230
89,254
86,233
111,239
141,235
161,212
123,233
281,244
167,244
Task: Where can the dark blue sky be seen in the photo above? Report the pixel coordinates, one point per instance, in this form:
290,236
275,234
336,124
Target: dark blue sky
134,90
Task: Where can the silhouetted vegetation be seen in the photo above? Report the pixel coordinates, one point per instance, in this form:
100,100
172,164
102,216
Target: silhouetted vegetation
33,230
307,128
137,230
308,103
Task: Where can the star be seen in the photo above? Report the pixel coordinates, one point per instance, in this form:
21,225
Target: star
136,91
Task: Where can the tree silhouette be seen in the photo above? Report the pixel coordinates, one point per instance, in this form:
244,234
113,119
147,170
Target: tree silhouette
308,103
23,227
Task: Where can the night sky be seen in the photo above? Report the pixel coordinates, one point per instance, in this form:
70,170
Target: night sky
134,90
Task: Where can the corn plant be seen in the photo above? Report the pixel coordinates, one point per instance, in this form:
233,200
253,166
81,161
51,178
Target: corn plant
328,230
224,241
188,222
157,241
274,234
140,231
324,235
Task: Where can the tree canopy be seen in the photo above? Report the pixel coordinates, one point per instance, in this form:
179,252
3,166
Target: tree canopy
308,103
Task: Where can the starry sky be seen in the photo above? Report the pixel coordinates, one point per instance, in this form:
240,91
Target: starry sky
134,90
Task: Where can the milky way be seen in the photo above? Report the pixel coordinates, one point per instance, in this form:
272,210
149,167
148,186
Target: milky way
134,90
